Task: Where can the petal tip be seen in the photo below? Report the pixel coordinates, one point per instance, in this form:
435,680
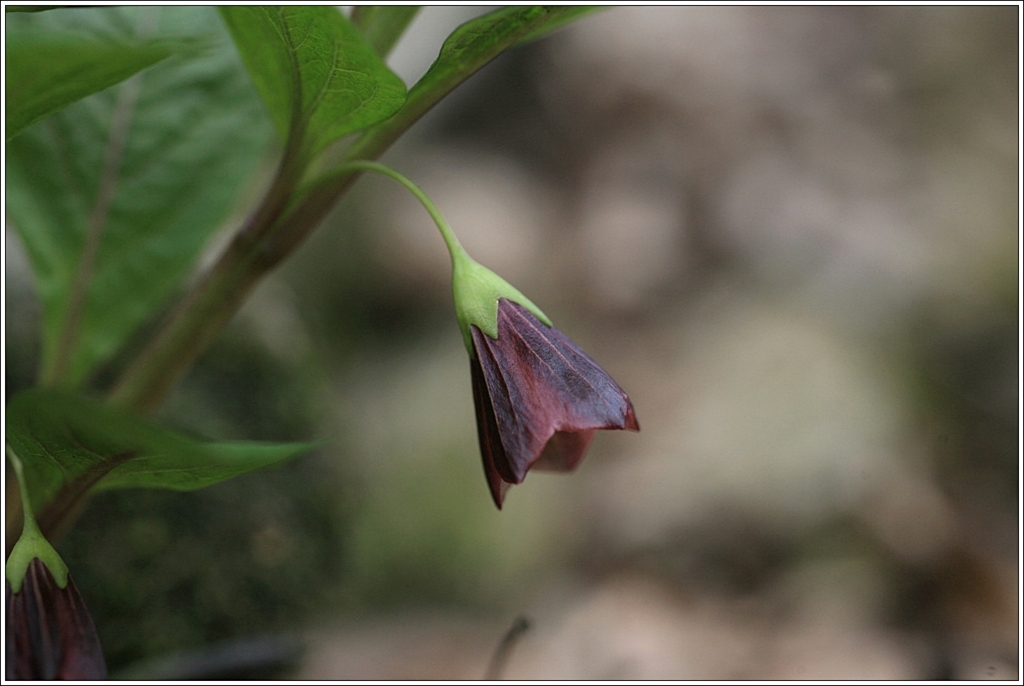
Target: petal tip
498,494
631,422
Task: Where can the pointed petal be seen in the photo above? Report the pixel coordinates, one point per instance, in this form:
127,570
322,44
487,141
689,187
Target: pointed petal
540,383
487,431
564,451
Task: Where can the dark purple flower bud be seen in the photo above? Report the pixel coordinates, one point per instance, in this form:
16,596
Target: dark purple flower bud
50,634
539,399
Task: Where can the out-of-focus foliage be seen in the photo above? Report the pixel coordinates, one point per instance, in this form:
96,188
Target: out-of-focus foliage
71,444
152,166
47,72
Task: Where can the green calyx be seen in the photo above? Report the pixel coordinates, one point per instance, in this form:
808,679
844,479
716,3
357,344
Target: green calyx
32,543
475,287
477,290
30,546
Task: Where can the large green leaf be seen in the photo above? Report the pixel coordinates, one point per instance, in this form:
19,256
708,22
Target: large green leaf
318,76
69,445
177,144
47,71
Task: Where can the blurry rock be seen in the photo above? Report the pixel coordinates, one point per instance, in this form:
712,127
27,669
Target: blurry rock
634,628
830,650
408,647
910,514
632,234
774,415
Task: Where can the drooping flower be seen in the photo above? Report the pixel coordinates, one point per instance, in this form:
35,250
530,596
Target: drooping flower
539,399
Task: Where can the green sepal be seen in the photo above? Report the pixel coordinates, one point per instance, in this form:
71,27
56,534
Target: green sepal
477,290
30,546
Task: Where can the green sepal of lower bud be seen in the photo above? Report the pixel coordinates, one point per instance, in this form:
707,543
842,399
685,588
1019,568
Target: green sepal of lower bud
30,546
477,290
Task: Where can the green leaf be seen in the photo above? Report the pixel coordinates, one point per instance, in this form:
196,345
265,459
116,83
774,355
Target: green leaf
480,40
47,71
318,77
69,445
152,168
383,25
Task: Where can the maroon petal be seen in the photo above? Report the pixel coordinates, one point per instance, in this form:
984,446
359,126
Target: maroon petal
487,430
50,634
564,451
539,399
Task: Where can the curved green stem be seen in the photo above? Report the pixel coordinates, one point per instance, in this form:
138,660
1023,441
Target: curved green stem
455,248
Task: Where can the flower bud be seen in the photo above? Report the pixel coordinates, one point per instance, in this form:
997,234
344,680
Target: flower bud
539,398
50,634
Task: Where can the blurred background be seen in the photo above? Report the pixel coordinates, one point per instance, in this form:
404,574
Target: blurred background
790,234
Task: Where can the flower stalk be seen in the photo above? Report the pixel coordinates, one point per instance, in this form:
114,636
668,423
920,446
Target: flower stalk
476,289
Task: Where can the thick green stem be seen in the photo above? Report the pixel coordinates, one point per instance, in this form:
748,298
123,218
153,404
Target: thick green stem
193,326
214,301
